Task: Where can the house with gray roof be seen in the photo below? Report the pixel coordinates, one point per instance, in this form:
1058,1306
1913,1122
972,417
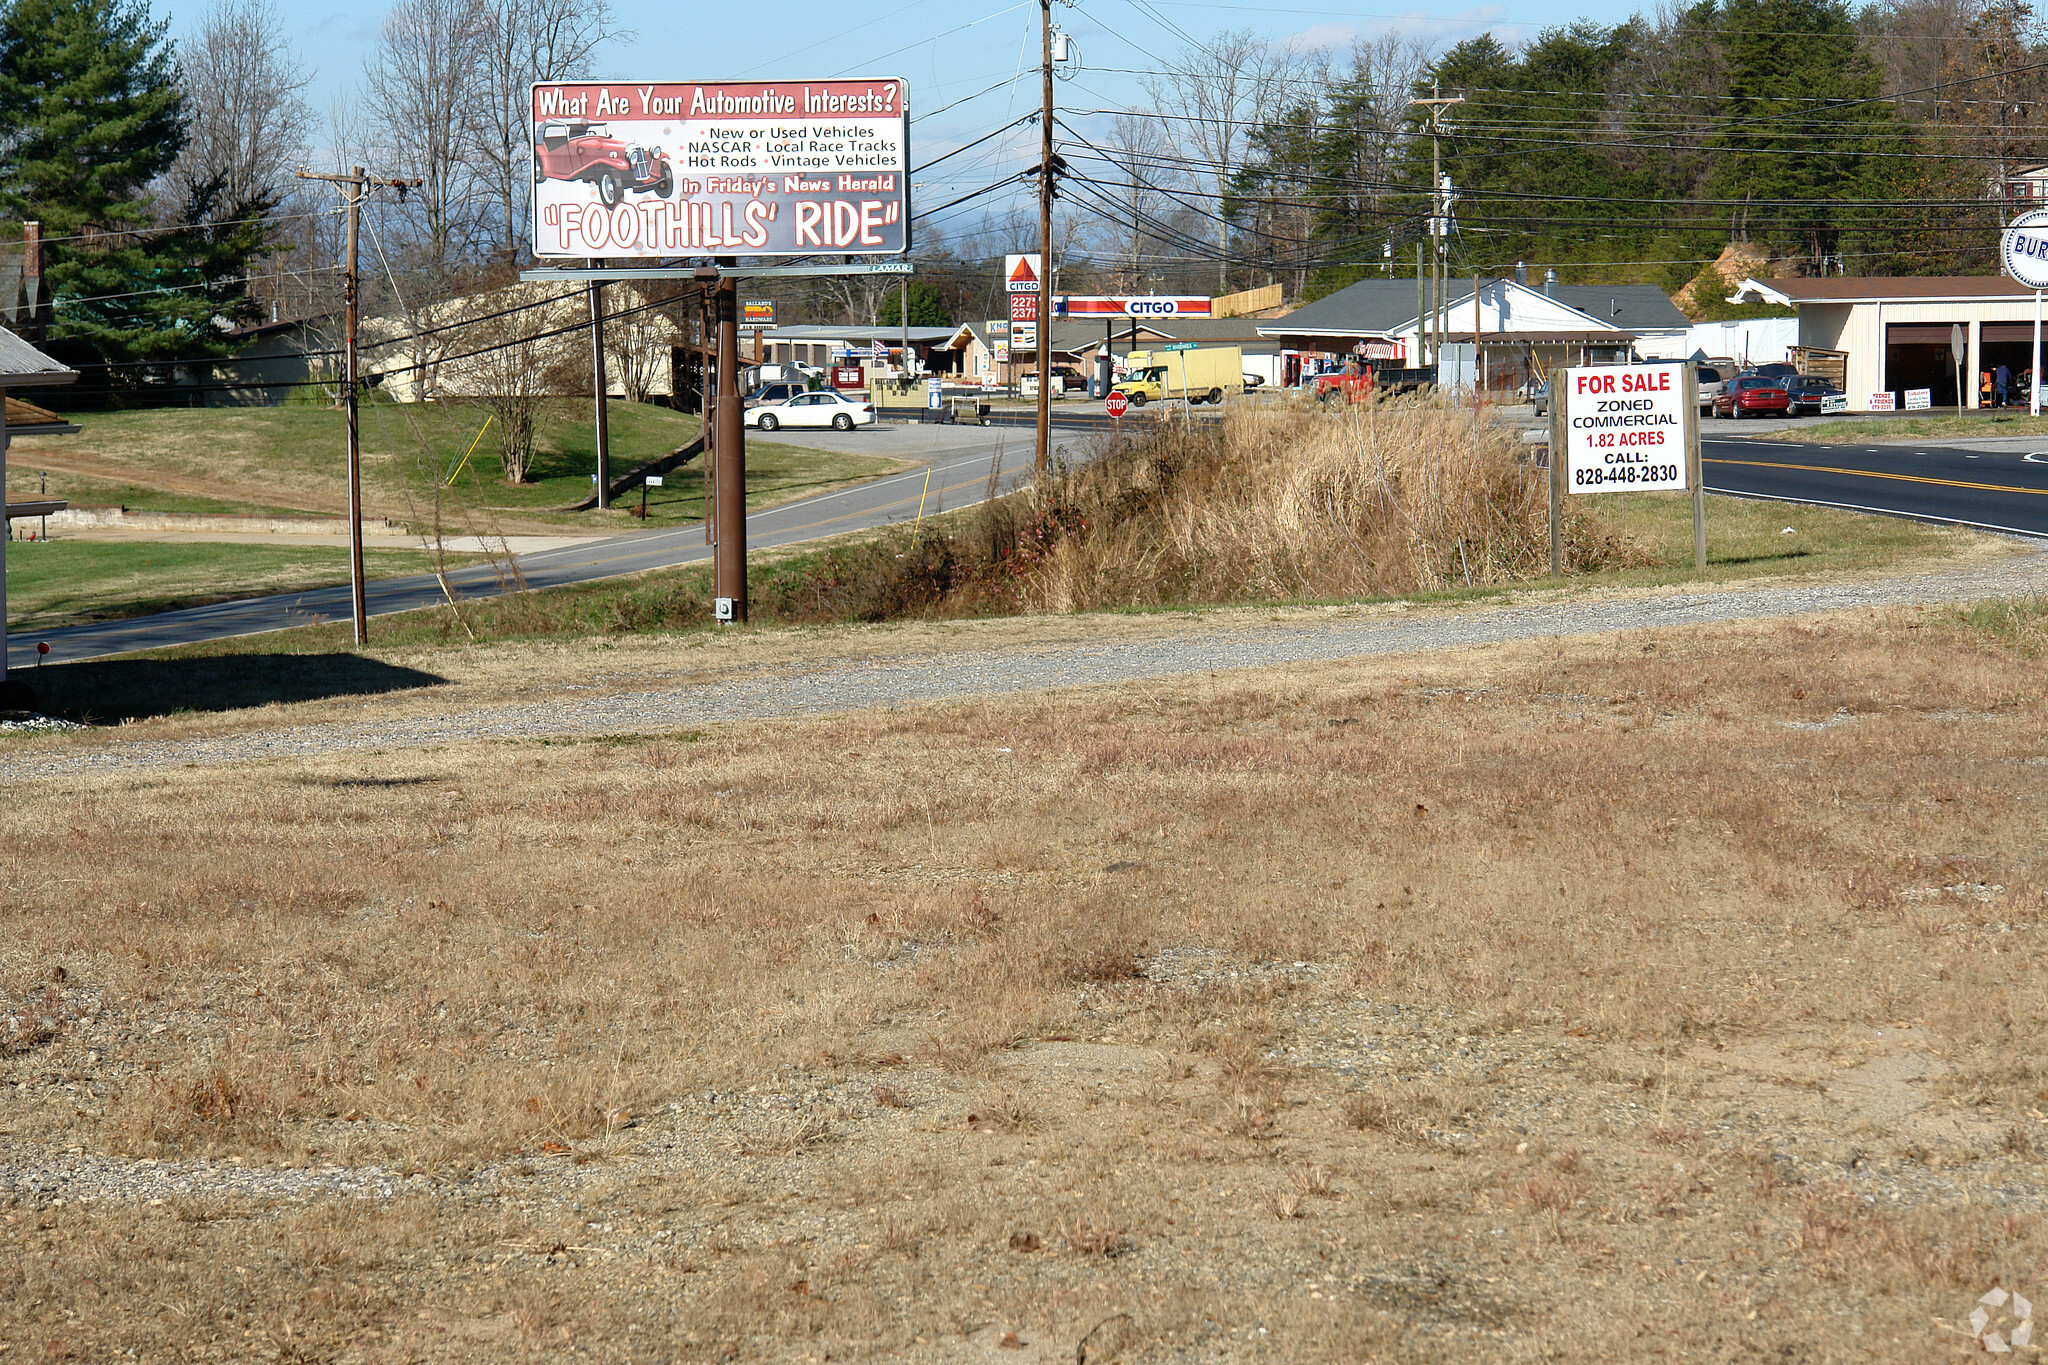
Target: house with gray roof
1499,336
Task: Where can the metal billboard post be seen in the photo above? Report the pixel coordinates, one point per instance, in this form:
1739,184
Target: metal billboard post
729,431
600,392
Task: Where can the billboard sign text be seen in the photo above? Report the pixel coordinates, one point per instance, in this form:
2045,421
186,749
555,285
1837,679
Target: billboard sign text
740,168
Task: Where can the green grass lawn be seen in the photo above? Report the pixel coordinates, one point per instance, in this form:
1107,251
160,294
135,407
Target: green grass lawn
66,582
1860,431
289,459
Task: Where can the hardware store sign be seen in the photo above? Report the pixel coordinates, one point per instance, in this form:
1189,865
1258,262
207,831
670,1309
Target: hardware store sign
741,169
1625,428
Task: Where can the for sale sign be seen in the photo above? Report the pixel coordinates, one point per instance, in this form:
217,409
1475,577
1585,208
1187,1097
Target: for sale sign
1625,428
733,169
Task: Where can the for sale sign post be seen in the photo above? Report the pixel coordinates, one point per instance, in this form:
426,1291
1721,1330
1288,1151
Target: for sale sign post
731,169
1625,429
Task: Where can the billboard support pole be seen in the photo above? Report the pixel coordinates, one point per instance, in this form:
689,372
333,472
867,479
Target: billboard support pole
729,562
600,390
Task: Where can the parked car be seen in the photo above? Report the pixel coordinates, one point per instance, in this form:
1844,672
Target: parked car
1252,381
1065,376
780,391
1711,378
588,151
1541,398
824,408
1780,372
1752,395
1805,393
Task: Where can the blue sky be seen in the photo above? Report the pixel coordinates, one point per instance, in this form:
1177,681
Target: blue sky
951,51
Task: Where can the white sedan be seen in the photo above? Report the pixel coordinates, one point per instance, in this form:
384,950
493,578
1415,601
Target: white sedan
824,408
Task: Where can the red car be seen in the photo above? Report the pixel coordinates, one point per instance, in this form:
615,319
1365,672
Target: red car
1753,395
588,151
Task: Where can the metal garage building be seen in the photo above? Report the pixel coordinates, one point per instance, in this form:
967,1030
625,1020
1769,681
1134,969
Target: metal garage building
1896,329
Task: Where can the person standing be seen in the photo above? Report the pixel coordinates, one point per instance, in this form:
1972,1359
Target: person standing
2001,379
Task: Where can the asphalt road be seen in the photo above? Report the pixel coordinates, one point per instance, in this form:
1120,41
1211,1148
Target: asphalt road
2000,483
958,460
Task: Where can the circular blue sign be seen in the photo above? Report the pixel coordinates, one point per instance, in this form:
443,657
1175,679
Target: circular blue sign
2024,249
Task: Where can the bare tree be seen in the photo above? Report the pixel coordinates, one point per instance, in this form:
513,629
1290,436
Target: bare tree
248,121
419,88
637,338
1141,148
524,41
1213,95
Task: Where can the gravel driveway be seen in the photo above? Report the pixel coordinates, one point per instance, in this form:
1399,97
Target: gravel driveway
1205,644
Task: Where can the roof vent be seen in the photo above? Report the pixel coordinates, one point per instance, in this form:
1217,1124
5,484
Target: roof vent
1549,282
1522,273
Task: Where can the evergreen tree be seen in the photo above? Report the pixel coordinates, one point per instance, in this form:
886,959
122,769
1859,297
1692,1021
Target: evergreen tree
927,309
1800,121
90,115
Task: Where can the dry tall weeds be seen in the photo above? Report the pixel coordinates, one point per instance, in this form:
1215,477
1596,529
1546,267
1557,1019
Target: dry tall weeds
1401,495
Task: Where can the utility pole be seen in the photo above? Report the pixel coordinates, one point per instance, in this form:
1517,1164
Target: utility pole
1045,241
1438,226
354,185
600,390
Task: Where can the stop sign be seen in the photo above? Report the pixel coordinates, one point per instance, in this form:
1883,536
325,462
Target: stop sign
1116,403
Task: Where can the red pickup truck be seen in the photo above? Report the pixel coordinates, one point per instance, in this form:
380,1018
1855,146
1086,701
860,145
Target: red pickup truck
1356,388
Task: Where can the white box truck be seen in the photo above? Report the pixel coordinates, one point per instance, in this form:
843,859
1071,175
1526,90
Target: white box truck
1199,376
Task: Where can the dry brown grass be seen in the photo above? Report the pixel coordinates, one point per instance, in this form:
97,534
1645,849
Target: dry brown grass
1678,992
1293,502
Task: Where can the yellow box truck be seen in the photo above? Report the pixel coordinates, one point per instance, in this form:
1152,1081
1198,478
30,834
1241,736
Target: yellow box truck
1199,376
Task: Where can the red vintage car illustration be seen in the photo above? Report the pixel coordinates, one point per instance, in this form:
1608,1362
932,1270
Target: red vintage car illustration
568,150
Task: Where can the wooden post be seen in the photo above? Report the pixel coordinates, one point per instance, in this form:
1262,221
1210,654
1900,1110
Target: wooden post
1695,472
351,301
1558,428
1044,246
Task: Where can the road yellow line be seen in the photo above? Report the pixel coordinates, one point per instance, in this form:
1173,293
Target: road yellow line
1901,478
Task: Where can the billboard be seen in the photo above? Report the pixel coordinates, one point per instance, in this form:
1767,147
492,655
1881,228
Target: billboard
742,168
1020,273
757,312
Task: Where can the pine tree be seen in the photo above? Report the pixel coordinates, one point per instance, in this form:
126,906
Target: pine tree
1800,121
90,115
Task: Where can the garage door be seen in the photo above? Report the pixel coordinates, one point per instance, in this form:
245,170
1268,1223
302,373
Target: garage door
2009,331
1920,333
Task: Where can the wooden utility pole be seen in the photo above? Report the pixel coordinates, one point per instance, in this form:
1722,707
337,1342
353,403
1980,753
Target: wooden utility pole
1045,242
1439,220
354,186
